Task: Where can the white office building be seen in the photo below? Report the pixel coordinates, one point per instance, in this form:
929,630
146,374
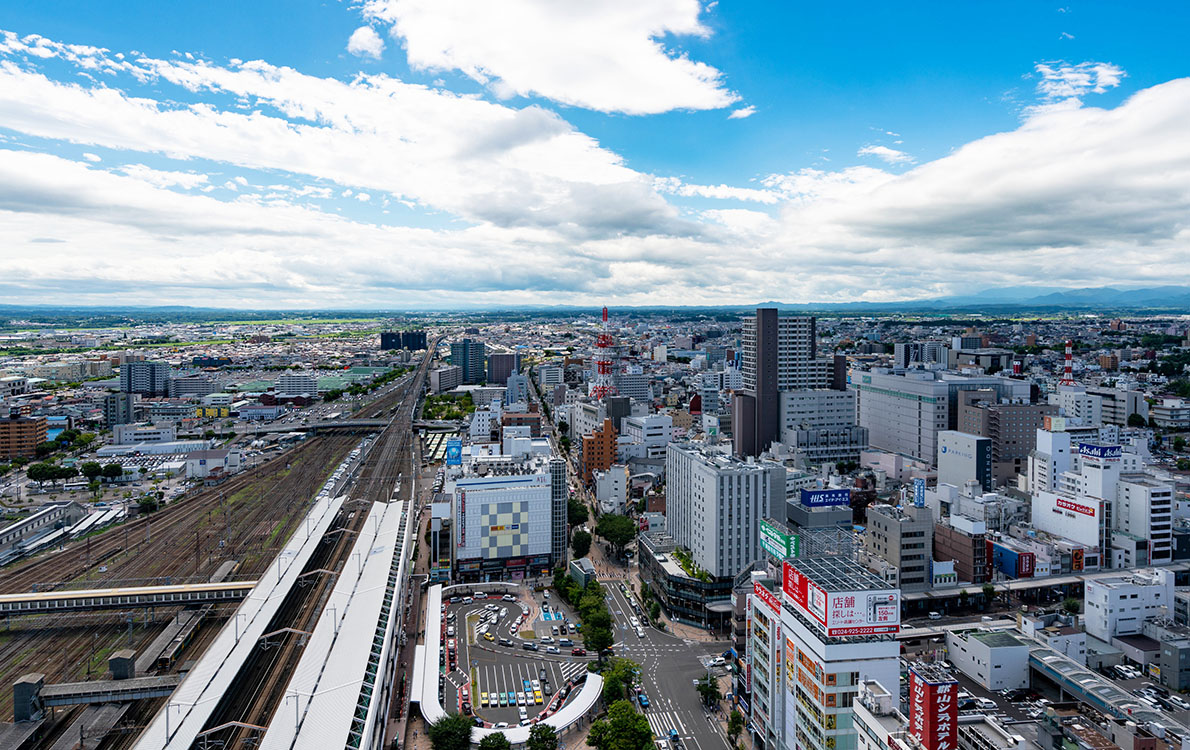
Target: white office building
645,436
611,489
806,667
714,504
904,410
1121,605
819,423
509,516
297,384
550,375
1076,404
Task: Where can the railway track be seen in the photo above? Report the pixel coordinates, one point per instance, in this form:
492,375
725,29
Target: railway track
258,692
159,533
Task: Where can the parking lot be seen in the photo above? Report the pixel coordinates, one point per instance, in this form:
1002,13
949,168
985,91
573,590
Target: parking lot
508,665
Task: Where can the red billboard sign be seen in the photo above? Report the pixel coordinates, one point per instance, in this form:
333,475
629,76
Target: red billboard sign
766,596
843,613
933,711
1026,562
1065,504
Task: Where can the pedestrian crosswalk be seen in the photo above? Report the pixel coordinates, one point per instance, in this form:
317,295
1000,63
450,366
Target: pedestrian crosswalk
661,722
573,669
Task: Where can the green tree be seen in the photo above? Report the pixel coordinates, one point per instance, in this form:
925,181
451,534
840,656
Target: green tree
1136,420
208,434
40,472
623,729
542,737
576,511
581,543
451,732
563,427
655,611
95,487
1179,443
46,449
735,725
495,741
1072,605
85,439
148,504
619,677
91,469
989,592
708,688
964,598
617,530
113,471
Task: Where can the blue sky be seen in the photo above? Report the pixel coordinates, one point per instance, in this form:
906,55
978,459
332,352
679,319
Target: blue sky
442,152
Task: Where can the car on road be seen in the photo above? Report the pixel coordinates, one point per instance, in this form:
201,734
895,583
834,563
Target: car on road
635,622
489,637
508,598
506,642
529,646
467,600
553,650
935,615
643,700
578,652
481,595
546,639
640,632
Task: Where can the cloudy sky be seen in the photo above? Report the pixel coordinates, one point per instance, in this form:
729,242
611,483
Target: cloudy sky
440,153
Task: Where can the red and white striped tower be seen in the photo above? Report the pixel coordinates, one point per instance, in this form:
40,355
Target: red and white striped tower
1068,370
604,385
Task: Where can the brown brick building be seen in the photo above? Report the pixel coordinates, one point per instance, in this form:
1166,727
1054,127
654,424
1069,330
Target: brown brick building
19,436
599,450
966,548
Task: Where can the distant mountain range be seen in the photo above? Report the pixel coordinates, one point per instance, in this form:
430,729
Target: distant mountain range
1003,300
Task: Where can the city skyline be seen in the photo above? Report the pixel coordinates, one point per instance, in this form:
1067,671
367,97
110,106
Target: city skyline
409,155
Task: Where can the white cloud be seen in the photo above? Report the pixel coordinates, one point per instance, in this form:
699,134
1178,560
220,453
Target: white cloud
164,178
363,197
1061,81
742,112
603,56
521,206
91,157
886,154
676,186
365,42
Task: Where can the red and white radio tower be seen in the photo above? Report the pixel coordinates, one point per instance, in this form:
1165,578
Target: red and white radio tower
603,386
1068,371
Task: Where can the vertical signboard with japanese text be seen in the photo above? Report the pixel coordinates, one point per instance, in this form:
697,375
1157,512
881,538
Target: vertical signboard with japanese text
933,711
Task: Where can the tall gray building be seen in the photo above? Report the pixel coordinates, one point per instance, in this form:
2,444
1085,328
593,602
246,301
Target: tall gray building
778,354
118,409
904,538
500,366
469,356
147,378
714,504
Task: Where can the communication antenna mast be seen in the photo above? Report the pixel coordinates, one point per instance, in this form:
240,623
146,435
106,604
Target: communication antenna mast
603,385
1068,370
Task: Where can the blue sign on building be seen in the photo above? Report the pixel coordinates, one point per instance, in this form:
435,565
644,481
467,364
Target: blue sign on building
454,452
825,498
919,492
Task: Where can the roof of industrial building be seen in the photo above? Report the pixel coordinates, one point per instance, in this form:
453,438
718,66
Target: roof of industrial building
997,639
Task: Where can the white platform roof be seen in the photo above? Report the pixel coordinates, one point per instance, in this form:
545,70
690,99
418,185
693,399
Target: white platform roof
187,712
324,693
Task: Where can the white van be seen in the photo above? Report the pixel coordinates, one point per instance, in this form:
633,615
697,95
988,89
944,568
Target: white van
935,615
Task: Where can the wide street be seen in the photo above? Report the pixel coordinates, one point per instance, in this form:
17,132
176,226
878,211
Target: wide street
670,666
